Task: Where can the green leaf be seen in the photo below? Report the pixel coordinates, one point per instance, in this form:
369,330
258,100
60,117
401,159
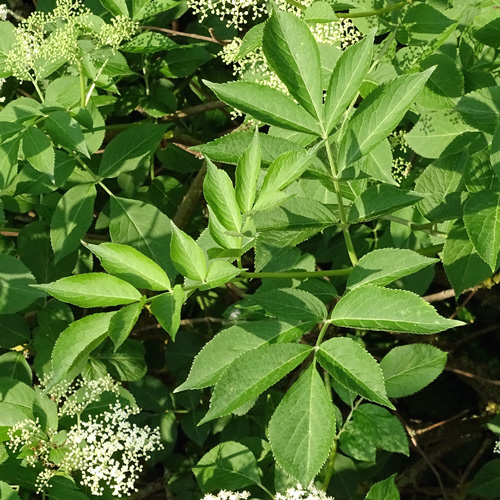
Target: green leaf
230,148
229,465
184,60
127,263
376,427
378,114
292,52
487,481
14,332
7,40
76,343
7,493
167,309
151,8
386,265
480,109
38,150
187,256
219,273
438,130
219,193
129,149
148,42
15,291
291,304
116,7
295,214
251,374
354,368
247,175
125,363
66,131
72,217
14,365
462,264
495,151
384,490
379,200
16,401
92,290
8,162
251,41
122,322
443,182
320,12
302,429
267,105
347,76
375,308
482,221
409,368
231,343
143,227
285,169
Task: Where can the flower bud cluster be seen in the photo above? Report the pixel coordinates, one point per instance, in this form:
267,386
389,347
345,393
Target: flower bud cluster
52,38
228,495
299,493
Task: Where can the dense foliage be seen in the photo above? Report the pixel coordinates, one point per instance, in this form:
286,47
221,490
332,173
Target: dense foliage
249,247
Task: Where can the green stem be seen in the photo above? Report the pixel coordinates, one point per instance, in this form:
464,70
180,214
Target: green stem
92,87
263,488
96,179
37,88
322,332
297,274
82,84
375,12
343,215
330,464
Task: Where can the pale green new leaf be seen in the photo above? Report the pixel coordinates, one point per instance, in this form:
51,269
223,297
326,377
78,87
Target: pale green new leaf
122,322
285,169
482,221
253,373
39,152
231,343
409,368
347,76
127,263
129,149
462,264
219,193
167,309
229,465
378,114
187,257
302,429
267,105
76,343
379,200
385,265
372,307
247,174
291,304
72,218
354,368
292,52
92,290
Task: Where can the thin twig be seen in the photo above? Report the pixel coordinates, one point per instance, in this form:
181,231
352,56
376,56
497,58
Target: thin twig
170,32
475,335
473,376
487,443
465,302
439,424
193,110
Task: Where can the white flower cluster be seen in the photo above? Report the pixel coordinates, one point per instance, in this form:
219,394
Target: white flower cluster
299,493
106,449
228,495
496,449
52,37
400,166
4,12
